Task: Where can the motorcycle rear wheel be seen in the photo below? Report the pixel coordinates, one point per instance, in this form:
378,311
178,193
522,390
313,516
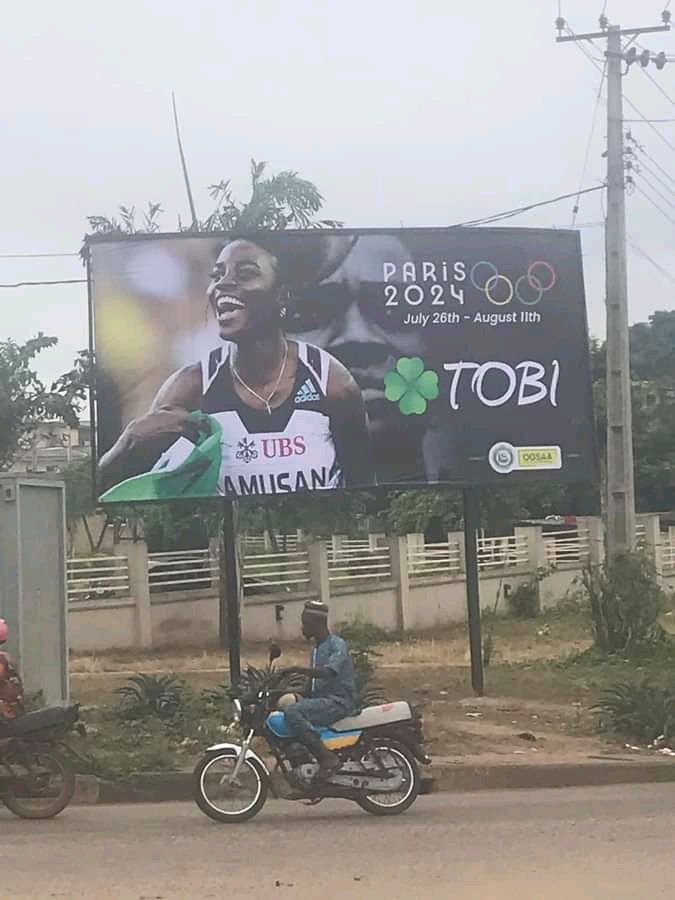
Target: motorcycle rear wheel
397,802
212,794
45,794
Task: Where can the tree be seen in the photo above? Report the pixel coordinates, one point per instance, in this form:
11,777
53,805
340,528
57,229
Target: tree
80,504
24,399
652,352
279,201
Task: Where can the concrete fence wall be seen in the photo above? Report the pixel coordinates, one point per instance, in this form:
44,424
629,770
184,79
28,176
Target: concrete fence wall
398,584
132,599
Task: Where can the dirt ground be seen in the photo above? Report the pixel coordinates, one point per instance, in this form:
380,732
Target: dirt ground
536,707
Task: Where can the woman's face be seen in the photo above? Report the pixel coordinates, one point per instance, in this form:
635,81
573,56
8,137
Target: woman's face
244,292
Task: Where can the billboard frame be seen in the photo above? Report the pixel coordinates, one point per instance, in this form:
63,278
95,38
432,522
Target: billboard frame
230,587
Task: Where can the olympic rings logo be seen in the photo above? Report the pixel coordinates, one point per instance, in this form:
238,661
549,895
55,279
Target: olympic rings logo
528,289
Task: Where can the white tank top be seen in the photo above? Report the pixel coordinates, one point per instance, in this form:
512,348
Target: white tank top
290,450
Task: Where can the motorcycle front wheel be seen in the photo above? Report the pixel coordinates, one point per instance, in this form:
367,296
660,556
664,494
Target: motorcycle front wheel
43,789
394,757
222,800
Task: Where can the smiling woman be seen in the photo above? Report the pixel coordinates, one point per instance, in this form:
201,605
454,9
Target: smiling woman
260,414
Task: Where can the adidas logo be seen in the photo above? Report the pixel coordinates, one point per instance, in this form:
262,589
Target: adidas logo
307,393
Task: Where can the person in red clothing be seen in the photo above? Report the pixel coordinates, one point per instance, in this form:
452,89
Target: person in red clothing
11,686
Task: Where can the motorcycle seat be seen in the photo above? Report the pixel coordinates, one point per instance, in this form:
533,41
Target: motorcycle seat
372,716
43,719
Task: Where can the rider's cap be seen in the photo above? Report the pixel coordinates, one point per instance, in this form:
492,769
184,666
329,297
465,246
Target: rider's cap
316,608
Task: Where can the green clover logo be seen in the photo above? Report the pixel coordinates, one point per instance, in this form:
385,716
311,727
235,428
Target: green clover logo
410,385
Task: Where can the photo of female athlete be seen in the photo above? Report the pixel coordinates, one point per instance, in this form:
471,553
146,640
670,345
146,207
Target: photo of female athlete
282,415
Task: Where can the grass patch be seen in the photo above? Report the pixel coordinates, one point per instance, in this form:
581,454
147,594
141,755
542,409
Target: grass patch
159,724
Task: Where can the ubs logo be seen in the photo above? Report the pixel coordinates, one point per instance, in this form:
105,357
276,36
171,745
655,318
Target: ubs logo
246,451
283,447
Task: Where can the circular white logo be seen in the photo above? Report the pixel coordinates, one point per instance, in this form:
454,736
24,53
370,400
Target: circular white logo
502,457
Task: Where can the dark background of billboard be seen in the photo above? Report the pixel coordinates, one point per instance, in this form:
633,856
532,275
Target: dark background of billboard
456,442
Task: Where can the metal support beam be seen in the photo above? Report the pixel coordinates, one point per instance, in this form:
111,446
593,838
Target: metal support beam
471,524
229,613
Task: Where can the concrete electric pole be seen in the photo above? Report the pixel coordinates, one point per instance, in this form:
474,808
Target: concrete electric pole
620,476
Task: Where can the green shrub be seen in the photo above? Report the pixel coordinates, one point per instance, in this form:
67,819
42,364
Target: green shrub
361,638
524,600
151,695
641,711
115,749
625,601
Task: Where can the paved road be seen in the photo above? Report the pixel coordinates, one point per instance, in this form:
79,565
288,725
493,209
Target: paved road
576,843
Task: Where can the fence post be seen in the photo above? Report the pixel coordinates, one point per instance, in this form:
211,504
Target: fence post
456,538
398,548
536,548
415,539
596,538
214,551
652,525
337,541
214,567
139,587
374,539
318,569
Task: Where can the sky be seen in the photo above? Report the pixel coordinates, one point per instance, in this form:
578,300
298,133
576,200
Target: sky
420,114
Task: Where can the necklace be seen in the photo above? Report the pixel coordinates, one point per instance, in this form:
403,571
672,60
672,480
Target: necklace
246,387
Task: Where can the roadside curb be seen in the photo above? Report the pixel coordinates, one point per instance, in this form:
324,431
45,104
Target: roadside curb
591,773
450,777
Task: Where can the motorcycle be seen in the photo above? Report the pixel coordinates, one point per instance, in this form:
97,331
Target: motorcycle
379,748
36,781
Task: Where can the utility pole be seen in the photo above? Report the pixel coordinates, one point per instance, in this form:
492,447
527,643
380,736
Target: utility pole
620,469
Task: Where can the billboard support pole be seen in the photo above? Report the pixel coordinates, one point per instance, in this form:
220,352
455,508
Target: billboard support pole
471,523
228,608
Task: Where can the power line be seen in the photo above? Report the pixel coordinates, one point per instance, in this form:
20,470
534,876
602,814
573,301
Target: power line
626,99
34,255
523,209
39,283
651,124
654,203
648,121
644,152
507,214
657,191
590,141
644,253
661,181
658,86
660,168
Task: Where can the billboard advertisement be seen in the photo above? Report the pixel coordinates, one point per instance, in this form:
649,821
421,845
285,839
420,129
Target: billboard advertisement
291,361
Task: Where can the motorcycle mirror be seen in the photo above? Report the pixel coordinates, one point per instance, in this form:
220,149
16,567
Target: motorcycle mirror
275,652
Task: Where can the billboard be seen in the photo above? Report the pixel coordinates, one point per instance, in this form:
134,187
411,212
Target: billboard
290,361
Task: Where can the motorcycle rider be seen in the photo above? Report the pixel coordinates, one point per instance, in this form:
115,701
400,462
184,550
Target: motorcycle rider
11,686
331,689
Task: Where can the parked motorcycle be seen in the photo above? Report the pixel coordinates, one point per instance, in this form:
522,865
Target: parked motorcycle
380,750
36,781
